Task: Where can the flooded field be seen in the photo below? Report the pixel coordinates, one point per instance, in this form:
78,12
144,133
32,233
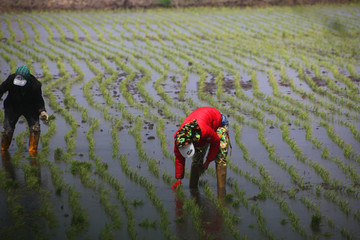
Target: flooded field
120,83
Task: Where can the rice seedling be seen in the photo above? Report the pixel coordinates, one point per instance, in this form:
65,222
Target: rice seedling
148,224
143,58
136,202
315,222
345,233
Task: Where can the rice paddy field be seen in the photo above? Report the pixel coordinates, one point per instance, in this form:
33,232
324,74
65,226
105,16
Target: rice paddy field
120,83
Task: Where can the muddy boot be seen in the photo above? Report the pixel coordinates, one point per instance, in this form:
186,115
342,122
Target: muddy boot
221,180
33,143
6,138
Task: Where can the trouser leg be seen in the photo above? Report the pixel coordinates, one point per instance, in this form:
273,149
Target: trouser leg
6,138
11,117
34,137
196,166
221,180
34,131
221,161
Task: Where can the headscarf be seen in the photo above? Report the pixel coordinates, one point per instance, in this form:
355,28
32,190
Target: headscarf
189,133
23,71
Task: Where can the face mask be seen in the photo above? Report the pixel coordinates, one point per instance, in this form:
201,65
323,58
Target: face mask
20,81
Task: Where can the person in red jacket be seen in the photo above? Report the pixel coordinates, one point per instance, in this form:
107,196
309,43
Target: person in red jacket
204,128
24,98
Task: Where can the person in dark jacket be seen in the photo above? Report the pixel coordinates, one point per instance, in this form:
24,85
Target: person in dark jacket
204,128
24,98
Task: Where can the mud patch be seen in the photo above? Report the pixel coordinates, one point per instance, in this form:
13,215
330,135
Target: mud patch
354,79
328,186
132,87
229,86
319,82
246,85
281,83
69,39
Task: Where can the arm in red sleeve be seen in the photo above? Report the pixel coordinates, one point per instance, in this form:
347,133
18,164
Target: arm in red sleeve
179,164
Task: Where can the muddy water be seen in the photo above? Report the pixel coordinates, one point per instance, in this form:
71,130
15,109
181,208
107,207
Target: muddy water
262,197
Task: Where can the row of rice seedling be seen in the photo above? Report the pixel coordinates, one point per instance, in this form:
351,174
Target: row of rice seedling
272,187
162,224
28,170
152,165
220,91
108,178
152,42
70,147
138,145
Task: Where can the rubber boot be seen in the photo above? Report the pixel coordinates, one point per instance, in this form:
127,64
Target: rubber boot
6,138
221,180
33,143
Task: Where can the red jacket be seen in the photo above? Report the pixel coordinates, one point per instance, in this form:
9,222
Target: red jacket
209,120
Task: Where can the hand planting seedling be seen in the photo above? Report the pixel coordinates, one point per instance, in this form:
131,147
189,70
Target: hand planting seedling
46,118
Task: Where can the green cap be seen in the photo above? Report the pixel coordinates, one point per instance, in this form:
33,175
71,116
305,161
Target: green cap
23,71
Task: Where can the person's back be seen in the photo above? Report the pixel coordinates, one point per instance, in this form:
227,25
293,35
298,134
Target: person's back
205,116
23,99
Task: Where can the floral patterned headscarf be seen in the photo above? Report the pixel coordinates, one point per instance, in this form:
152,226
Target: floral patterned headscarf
189,133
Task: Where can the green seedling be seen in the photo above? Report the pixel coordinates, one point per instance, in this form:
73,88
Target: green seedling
236,203
229,197
180,219
148,224
284,221
58,154
315,222
136,203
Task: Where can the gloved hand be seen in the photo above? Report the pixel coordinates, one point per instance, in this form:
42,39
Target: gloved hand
176,185
44,116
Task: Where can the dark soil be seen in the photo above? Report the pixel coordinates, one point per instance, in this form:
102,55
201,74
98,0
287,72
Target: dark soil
354,79
320,82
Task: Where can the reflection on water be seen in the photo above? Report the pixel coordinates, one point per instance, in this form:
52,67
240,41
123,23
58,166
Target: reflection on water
8,167
32,171
212,222
23,215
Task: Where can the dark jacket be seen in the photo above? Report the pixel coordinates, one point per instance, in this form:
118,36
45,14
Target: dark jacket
26,99
209,120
